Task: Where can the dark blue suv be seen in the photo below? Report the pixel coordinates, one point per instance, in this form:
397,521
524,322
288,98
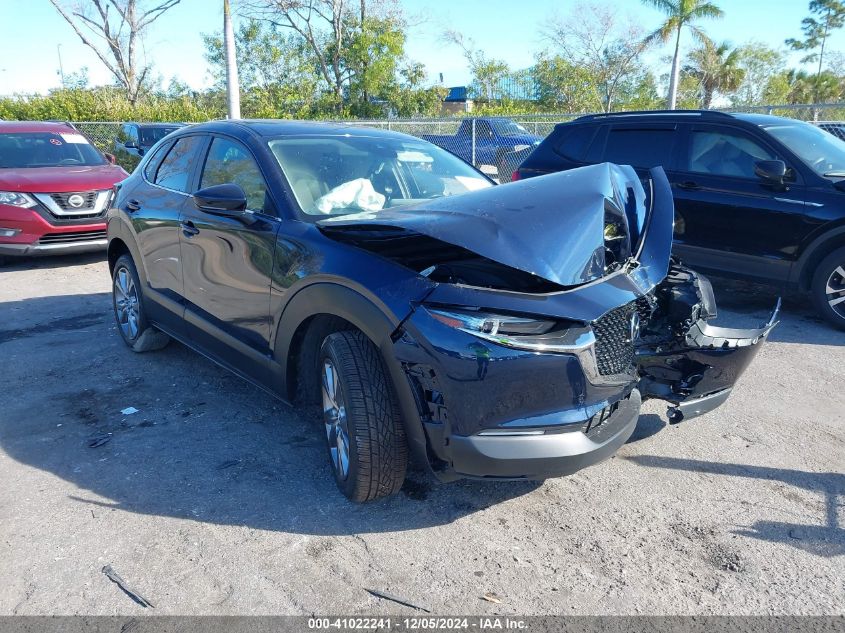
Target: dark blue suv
756,196
424,310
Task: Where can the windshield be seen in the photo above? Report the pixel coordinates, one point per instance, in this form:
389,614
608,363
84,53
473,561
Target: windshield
152,135
47,149
346,174
822,151
507,128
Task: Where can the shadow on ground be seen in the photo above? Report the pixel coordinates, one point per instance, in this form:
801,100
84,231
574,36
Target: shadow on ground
826,540
203,446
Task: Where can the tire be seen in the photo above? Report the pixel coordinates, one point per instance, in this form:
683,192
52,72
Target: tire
361,418
128,304
828,288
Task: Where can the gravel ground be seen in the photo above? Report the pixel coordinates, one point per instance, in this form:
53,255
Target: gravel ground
215,499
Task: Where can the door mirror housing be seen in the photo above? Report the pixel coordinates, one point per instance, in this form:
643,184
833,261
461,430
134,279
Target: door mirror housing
130,144
772,171
227,200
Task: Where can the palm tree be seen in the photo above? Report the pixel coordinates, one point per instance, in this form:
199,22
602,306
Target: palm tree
717,69
680,14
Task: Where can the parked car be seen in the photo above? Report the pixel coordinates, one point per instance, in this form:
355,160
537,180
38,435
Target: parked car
494,138
137,138
55,188
427,311
837,128
756,196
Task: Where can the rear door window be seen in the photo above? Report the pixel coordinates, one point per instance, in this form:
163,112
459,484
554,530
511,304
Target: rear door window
176,168
643,147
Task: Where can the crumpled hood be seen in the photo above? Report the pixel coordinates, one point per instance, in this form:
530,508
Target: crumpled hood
59,179
551,226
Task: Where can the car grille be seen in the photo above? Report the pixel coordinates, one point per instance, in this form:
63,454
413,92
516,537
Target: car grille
614,347
75,236
61,200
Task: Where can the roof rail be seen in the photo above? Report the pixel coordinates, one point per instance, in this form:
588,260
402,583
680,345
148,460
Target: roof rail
716,114
67,123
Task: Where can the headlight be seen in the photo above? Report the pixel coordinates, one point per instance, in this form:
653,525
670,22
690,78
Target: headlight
17,199
529,333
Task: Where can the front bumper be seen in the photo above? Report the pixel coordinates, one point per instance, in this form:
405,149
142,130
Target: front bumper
37,236
552,454
64,248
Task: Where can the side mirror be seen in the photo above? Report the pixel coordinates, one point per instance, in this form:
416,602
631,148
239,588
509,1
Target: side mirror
772,171
130,144
111,158
227,200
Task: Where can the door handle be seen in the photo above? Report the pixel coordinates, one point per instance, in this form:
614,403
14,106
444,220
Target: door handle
690,185
188,229
133,205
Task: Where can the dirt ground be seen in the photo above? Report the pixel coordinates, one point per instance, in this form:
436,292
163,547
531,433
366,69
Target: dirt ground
215,499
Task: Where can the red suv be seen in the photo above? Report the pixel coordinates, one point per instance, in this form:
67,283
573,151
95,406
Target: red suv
55,189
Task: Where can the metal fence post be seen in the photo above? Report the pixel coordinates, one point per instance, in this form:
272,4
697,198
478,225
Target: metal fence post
473,142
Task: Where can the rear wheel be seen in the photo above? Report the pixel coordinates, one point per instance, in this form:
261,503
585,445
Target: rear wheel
129,314
366,440
828,288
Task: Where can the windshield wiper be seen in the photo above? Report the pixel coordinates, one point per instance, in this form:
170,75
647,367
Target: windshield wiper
835,174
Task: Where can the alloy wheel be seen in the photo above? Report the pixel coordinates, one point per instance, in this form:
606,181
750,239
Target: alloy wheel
835,291
126,303
335,419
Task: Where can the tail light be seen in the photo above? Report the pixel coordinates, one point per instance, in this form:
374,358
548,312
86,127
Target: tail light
515,176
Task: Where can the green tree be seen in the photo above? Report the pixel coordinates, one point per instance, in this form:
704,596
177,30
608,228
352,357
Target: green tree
827,15
353,51
487,72
565,87
717,69
680,14
594,39
761,65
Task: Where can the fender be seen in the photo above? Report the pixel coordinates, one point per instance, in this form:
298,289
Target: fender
813,252
337,300
119,228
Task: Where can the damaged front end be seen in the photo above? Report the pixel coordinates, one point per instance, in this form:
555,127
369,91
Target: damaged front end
681,357
554,310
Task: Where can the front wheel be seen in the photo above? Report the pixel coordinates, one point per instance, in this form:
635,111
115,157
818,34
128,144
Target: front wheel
366,439
828,288
129,314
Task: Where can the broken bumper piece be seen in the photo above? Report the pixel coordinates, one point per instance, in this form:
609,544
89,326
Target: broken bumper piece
696,375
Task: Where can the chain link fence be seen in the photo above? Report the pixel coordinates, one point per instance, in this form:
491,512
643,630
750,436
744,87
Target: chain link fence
475,141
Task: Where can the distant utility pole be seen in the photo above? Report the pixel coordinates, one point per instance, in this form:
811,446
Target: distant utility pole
233,91
61,68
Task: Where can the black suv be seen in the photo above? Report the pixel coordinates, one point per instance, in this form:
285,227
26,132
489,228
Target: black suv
756,196
137,138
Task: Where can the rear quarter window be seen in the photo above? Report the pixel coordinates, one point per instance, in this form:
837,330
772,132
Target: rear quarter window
574,142
639,147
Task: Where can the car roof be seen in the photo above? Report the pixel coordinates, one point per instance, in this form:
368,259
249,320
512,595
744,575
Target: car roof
274,127
155,124
35,126
764,119
678,115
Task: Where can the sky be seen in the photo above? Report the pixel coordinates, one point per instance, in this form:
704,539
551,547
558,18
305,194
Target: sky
35,37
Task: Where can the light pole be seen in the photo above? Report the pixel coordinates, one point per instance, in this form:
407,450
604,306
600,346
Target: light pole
233,91
61,69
